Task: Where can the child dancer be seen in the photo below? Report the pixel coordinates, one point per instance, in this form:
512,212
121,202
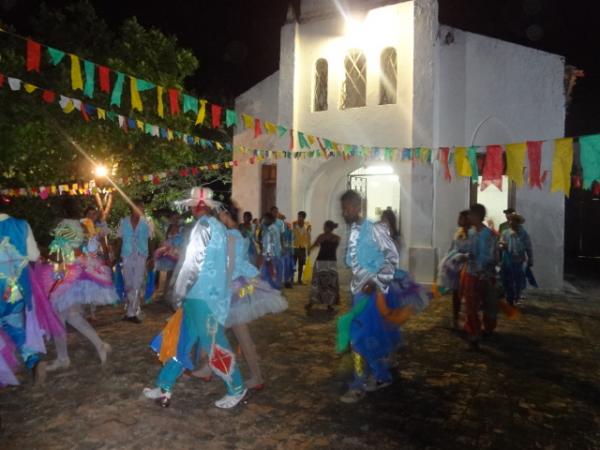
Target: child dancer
81,279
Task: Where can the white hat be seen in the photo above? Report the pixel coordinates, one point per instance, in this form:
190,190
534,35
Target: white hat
197,195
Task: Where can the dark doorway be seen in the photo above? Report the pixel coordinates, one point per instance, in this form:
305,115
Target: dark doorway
582,239
268,187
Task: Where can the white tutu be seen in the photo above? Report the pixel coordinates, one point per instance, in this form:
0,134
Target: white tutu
83,292
262,300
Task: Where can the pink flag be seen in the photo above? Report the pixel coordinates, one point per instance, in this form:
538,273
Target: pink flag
534,155
493,168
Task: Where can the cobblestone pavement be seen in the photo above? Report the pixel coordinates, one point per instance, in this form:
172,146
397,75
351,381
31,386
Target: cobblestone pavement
536,384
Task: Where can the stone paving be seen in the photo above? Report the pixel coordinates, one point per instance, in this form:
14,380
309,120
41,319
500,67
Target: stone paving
536,384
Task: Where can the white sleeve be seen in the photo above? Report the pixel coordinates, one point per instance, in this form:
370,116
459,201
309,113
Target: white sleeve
33,252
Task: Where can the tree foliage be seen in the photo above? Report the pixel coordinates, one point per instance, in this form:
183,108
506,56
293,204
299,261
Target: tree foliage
36,139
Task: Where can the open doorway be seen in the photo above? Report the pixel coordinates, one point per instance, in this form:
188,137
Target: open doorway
268,187
494,200
379,188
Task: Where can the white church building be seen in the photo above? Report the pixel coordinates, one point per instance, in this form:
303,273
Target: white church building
388,74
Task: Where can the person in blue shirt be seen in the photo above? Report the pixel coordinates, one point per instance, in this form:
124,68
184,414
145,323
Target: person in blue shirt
271,249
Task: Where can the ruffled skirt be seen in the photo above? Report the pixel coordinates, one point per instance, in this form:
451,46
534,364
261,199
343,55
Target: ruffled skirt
8,361
252,299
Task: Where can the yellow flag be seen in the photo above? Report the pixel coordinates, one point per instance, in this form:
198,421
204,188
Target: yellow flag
160,106
101,113
248,121
562,164
136,100
69,107
76,79
201,112
311,139
169,135
139,124
515,162
270,127
219,146
29,88
461,162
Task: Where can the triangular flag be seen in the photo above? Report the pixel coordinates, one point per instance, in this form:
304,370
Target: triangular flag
515,162
160,108
311,139
190,104
48,96
257,128
534,156
117,92
230,118
174,101
472,155
493,167
56,56
101,113
443,157
270,127
461,161
302,140
281,130
90,74
215,115
248,121
136,100
562,163
104,75
29,88
589,155
76,79
144,85
33,56
201,112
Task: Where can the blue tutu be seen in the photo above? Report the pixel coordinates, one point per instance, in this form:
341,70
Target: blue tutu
404,291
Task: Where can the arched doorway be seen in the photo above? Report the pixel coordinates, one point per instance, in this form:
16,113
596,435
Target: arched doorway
379,186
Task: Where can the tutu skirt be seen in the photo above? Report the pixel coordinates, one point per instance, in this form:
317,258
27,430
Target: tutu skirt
252,299
404,291
8,361
449,271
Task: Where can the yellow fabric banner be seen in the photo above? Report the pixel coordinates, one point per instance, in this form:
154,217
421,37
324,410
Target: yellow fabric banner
101,113
515,162
76,78
136,100
160,107
270,127
201,112
69,107
461,162
29,88
562,164
248,121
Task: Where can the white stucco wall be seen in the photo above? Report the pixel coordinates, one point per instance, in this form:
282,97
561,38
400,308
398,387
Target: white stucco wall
508,93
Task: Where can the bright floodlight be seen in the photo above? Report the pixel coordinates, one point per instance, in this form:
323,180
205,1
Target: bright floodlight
101,171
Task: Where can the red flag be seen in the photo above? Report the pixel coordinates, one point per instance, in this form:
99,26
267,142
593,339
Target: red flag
257,128
84,113
103,73
174,101
33,56
194,171
48,96
2,79
493,168
534,155
444,154
291,139
215,115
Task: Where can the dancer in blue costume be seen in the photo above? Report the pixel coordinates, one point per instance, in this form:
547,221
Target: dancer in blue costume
373,257
204,285
17,249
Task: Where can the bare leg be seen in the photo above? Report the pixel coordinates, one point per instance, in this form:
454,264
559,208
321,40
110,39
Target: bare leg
242,333
76,320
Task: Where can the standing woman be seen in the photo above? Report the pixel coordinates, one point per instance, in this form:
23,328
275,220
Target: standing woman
82,278
325,288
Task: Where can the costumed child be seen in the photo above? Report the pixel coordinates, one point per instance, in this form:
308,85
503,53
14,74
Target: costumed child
248,229
251,298
272,265
371,327
79,278
517,254
204,285
453,264
480,278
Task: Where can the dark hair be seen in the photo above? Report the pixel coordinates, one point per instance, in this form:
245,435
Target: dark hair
302,214
274,208
351,197
268,216
248,213
464,213
389,217
88,209
479,210
233,211
330,224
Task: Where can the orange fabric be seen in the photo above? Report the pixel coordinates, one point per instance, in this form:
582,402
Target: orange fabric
170,336
510,311
396,316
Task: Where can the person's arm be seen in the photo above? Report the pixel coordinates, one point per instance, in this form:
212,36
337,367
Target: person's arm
309,231
193,262
33,251
317,243
391,258
528,248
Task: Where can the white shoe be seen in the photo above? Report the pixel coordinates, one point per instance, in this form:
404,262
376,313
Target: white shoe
105,349
352,396
163,398
229,401
58,364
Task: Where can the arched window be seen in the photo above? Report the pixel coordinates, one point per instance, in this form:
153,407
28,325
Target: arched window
389,70
321,79
354,89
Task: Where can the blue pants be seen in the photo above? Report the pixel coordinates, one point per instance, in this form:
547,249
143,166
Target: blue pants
288,271
12,321
205,331
513,279
275,281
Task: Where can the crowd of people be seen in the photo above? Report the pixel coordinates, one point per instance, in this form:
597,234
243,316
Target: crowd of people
218,273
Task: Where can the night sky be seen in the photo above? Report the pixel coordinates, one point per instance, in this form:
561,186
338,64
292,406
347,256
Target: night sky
237,41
